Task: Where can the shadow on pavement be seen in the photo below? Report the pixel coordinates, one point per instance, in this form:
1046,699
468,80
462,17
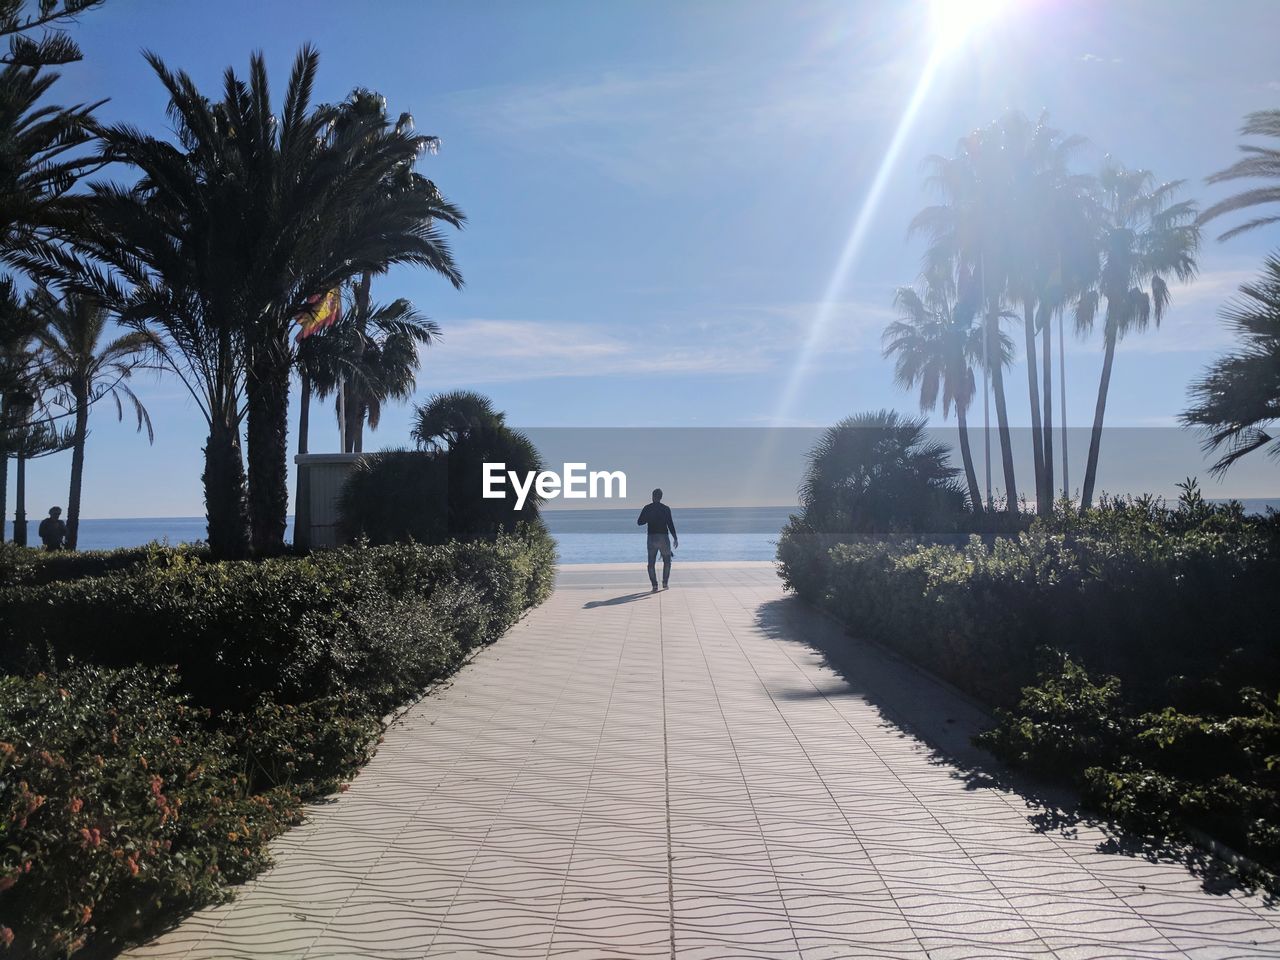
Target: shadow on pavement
614,601
919,706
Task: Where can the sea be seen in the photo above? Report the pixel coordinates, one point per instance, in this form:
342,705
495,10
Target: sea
582,536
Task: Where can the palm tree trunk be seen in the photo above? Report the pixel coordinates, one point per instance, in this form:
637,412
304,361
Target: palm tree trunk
77,468
267,396
1033,390
966,455
355,405
20,501
4,491
304,411
1006,440
1062,395
224,491
1046,345
302,490
1099,413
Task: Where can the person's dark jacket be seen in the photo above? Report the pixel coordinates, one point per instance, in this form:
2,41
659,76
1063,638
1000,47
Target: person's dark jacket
658,517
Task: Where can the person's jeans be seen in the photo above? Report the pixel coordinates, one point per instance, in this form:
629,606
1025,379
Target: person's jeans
659,543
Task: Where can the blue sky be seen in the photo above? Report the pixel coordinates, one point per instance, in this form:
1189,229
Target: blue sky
658,193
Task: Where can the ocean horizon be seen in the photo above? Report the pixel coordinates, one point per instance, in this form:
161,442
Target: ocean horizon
608,535
582,536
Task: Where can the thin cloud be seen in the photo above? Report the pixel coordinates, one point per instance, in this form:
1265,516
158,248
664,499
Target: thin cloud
652,129
731,341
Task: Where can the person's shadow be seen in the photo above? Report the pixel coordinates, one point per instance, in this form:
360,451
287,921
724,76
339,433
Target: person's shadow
614,601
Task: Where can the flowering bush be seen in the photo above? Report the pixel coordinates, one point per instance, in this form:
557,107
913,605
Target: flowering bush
117,803
169,716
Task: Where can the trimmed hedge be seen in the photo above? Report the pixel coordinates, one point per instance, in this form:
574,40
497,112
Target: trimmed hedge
1159,597
1131,650
378,623
166,718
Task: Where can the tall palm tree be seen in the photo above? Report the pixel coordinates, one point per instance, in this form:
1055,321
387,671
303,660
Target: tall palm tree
76,360
377,346
968,238
367,110
1015,214
1144,240
30,425
936,347
1237,401
1259,163
224,238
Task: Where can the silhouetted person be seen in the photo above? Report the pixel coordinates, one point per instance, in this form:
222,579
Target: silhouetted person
658,516
52,530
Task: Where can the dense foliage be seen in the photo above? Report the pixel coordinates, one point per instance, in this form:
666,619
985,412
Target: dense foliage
1172,609
145,762
1167,771
435,495
875,472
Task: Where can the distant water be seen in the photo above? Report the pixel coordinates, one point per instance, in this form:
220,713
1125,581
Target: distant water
582,536
706,533
109,534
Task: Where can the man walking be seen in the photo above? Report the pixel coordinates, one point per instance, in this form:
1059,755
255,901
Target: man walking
52,529
658,516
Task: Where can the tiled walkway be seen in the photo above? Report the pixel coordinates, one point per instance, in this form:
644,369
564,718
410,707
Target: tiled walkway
681,775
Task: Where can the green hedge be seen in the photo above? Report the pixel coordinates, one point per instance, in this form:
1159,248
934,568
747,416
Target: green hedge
1158,597
380,622
22,566
1131,649
224,693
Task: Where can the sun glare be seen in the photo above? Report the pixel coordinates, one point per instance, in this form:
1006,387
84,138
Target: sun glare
955,21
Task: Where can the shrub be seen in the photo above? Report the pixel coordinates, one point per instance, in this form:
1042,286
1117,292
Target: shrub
1164,773
1126,588
433,496
878,473
27,566
117,804
216,696
360,620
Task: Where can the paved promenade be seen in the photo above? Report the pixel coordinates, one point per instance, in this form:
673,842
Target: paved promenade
684,775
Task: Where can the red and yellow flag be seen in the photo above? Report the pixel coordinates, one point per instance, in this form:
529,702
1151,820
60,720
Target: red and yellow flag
323,310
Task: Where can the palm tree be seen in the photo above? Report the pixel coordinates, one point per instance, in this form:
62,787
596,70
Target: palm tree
968,238
1261,163
29,424
75,359
376,346
1238,399
937,348
53,46
367,110
1014,216
1144,239
449,418
878,473
223,239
